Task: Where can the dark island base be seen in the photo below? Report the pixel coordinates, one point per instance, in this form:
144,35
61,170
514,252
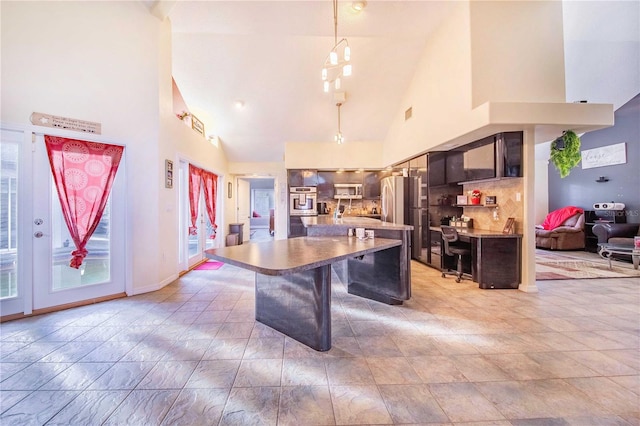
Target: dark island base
297,305
378,276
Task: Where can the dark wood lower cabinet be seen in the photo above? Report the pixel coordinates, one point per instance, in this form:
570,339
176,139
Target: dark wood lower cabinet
495,261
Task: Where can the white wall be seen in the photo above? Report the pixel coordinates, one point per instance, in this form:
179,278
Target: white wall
439,93
469,63
331,156
108,62
517,51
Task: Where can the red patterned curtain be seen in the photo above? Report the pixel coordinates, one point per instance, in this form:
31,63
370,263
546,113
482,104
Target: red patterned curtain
210,182
195,177
83,172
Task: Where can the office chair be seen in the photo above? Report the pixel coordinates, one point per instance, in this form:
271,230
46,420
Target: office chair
453,248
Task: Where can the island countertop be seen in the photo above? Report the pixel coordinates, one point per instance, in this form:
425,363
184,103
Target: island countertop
281,257
352,222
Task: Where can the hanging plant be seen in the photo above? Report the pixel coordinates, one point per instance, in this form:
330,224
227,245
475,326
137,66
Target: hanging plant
565,152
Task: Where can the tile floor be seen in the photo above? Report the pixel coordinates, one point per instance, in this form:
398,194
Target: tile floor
192,354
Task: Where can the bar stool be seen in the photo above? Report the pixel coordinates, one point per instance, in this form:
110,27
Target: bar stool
452,247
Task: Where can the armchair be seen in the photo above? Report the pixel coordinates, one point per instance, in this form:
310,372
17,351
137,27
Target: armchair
616,233
569,235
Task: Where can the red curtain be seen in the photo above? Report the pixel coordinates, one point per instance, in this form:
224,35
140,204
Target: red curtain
198,177
83,173
195,177
210,182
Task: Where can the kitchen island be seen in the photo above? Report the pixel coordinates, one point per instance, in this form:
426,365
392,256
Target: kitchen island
293,279
381,276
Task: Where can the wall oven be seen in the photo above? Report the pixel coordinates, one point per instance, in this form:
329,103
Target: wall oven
302,201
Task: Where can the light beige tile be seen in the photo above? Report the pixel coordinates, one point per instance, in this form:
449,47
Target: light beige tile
359,405
412,404
395,370
304,372
462,402
305,405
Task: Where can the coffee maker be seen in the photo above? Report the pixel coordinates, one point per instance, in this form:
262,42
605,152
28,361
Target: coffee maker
322,208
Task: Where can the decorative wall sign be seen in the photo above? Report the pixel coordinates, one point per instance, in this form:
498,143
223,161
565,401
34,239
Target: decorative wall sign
604,156
490,200
510,226
197,125
48,120
168,169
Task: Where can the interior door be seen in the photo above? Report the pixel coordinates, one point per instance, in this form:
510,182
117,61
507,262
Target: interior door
244,208
102,272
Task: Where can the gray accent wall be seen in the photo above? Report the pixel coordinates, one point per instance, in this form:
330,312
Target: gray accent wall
580,187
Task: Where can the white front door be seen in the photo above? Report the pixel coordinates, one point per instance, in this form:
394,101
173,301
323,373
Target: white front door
102,272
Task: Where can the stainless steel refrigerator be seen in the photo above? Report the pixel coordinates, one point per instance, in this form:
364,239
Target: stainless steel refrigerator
394,199
404,201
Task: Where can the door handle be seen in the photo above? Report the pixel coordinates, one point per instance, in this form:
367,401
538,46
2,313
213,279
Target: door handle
38,234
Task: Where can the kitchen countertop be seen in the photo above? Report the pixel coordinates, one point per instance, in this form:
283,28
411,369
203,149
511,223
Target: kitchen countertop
351,222
282,257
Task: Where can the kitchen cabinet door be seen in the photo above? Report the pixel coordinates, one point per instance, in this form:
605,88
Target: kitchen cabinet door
303,177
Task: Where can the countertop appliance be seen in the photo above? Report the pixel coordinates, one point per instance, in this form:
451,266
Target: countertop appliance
302,201
347,191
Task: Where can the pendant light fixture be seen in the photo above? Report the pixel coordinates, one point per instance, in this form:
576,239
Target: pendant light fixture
338,137
337,64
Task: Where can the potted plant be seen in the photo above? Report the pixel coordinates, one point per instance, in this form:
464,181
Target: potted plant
565,152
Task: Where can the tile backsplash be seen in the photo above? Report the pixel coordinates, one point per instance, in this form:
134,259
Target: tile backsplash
507,205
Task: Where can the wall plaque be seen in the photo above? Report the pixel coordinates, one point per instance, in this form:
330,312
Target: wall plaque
48,120
604,156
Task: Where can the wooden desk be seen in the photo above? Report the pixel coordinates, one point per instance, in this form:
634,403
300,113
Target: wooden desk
293,279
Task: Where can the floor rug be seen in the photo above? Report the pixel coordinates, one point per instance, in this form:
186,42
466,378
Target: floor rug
209,266
551,266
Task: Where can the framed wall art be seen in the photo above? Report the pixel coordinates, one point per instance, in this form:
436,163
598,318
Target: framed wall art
197,125
168,171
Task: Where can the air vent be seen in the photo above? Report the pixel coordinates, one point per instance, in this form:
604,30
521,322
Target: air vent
408,113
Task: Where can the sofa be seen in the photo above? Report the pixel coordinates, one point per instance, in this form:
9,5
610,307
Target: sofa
569,235
616,233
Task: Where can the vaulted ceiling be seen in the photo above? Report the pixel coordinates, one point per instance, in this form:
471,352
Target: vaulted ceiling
269,55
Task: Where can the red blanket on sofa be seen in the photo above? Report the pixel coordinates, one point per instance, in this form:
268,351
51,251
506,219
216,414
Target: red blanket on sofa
557,217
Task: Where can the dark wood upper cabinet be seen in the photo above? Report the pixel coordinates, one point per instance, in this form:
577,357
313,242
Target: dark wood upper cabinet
437,167
299,177
371,184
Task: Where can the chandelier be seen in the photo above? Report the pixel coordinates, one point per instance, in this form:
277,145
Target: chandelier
337,64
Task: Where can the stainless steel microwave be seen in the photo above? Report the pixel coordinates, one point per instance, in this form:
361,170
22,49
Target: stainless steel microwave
347,191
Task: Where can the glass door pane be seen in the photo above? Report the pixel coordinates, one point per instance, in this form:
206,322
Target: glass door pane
95,268
9,151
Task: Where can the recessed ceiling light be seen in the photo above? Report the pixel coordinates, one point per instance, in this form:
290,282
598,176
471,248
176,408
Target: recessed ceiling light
358,5
239,104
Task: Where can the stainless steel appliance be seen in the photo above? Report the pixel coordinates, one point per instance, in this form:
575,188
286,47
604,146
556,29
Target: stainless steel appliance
394,197
347,191
302,201
404,201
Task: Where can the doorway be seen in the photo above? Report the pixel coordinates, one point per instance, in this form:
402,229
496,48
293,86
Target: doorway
35,247
206,236
256,206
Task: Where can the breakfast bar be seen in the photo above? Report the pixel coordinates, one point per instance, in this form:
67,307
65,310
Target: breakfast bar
293,279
